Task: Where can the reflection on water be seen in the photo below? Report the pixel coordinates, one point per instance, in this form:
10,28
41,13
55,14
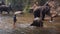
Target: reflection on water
6,27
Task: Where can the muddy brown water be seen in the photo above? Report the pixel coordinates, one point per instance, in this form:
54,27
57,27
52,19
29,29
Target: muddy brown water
23,26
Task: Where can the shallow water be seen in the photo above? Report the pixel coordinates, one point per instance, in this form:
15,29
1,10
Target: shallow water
6,26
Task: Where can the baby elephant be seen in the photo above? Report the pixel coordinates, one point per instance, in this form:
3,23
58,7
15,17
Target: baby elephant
37,22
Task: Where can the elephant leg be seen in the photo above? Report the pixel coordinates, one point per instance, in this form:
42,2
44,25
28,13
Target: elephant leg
8,12
51,18
1,12
49,14
43,16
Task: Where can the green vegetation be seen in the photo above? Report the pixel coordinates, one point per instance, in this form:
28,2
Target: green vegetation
24,4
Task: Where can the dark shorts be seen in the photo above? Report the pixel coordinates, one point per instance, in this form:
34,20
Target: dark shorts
15,21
